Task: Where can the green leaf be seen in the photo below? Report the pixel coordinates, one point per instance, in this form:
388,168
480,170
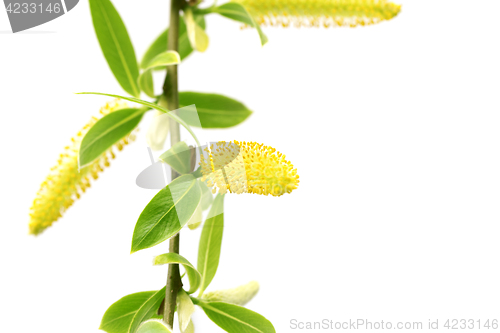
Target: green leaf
153,326
161,42
126,314
210,243
164,59
196,35
146,83
234,318
153,106
237,12
213,110
174,258
206,195
166,213
178,157
106,132
115,44
185,309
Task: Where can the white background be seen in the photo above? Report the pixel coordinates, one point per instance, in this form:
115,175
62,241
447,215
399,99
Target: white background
394,130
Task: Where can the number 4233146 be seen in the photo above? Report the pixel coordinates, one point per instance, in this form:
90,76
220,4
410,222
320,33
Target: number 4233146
24,8
462,324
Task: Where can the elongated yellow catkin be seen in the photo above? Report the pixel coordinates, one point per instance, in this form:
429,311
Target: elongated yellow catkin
65,183
248,167
315,13
240,295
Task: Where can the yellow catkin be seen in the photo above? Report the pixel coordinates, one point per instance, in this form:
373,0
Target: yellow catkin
65,183
315,13
248,167
240,295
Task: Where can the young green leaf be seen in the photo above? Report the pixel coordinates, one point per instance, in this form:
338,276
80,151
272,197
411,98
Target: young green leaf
166,213
262,36
210,243
196,219
206,195
126,314
196,35
164,59
190,327
106,132
185,309
178,157
159,127
146,83
161,60
115,44
161,42
153,326
213,110
240,295
237,12
234,318
173,258
152,106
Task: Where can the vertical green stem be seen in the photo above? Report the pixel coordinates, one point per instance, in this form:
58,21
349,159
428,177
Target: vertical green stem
171,93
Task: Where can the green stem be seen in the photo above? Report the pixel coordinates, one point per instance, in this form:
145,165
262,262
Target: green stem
171,93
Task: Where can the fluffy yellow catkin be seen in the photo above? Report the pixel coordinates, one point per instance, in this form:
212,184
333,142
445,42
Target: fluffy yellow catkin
65,183
248,167
315,13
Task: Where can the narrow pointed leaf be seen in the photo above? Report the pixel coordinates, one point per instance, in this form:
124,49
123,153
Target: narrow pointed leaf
234,318
115,44
210,243
166,213
214,111
174,258
125,315
153,326
152,106
237,12
107,131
